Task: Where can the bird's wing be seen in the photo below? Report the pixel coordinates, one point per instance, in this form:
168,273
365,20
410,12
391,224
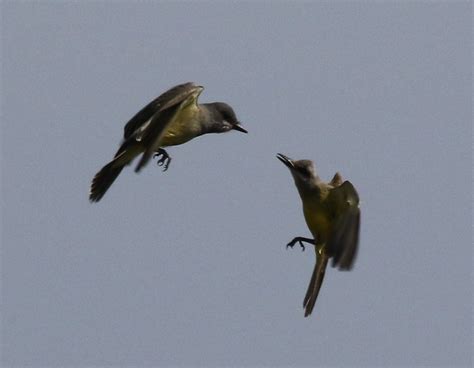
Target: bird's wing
170,98
344,237
153,130
336,180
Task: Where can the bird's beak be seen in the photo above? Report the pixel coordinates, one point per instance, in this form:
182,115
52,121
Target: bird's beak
286,160
239,128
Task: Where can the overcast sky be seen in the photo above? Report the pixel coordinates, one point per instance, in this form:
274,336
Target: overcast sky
189,267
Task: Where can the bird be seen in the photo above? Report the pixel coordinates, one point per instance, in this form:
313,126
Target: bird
332,214
173,118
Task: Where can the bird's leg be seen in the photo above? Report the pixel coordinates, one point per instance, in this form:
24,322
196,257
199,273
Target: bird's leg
164,160
300,239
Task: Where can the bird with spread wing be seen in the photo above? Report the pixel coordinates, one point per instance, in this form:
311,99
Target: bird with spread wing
332,214
173,118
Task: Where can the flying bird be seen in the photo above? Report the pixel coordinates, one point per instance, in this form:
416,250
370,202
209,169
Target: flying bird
332,214
173,118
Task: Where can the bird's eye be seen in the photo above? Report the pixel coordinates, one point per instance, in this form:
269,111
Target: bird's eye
305,172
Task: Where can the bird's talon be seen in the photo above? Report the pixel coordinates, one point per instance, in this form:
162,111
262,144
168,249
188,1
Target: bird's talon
164,159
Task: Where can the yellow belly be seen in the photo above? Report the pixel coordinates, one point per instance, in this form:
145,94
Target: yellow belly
317,221
183,128
177,135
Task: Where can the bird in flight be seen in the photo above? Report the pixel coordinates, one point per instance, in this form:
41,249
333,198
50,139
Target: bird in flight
332,214
173,118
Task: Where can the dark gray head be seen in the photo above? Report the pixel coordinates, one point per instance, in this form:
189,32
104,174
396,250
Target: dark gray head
223,118
303,172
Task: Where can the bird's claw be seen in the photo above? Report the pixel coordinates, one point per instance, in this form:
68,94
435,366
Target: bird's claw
292,243
164,160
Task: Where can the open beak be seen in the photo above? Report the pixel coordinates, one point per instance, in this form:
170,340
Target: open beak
286,160
239,128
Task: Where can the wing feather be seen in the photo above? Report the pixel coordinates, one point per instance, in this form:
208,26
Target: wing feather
161,120
171,97
344,239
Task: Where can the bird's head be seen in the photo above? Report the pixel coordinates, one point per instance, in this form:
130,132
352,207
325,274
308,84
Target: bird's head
225,119
303,171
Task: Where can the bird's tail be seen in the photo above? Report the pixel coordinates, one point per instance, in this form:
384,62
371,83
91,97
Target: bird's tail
107,175
315,283
103,180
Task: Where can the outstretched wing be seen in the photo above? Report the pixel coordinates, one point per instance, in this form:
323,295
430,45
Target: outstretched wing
173,96
151,132
344,238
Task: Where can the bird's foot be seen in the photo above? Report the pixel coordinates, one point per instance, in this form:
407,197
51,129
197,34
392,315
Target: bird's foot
299,240
164,160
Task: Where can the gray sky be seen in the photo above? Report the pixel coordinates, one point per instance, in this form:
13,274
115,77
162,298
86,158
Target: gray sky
189,267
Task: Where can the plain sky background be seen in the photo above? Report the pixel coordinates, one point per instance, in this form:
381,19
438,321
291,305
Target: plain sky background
189,267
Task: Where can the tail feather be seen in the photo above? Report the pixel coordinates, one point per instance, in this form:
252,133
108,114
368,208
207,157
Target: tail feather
103,180
315,284
107,175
